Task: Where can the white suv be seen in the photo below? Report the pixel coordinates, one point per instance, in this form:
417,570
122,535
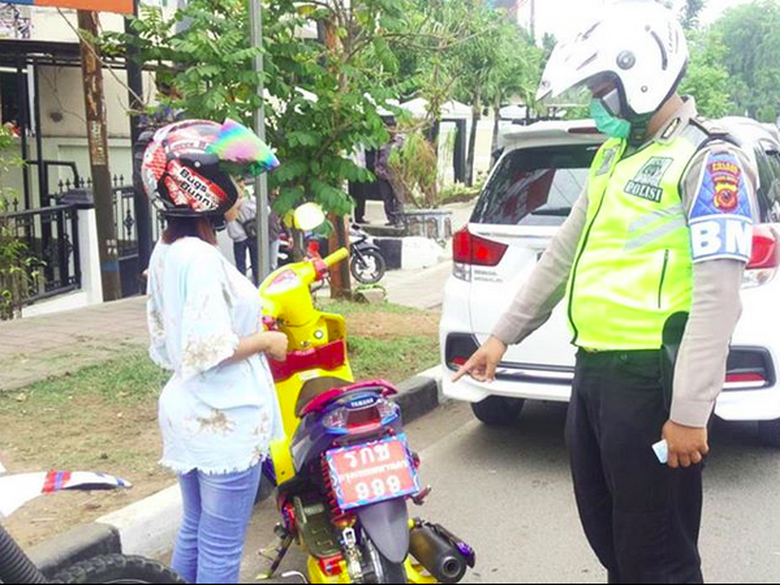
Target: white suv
526,199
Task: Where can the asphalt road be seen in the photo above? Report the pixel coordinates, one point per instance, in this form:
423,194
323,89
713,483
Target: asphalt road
508,492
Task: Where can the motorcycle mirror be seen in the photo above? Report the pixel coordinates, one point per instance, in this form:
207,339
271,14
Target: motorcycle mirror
309,216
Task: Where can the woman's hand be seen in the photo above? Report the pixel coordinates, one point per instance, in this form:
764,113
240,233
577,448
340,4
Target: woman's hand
272,343
276,345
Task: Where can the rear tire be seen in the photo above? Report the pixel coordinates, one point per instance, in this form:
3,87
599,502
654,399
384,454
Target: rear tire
497,411
769,433
384,571
118,569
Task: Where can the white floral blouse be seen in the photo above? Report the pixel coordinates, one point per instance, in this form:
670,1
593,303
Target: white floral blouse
214,418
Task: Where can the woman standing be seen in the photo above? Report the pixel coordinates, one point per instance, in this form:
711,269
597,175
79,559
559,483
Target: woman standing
219,413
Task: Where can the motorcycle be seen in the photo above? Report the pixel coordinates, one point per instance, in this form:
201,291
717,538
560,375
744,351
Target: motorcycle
367,263
344,472
16,567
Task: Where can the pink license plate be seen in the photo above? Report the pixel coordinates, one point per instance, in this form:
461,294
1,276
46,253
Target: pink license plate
371,473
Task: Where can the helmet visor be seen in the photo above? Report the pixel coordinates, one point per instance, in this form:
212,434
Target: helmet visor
241,152
604,86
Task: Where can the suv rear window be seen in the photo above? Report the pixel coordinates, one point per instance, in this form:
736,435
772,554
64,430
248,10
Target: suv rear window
768,161
535,186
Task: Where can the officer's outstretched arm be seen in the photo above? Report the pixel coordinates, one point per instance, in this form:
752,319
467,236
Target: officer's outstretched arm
535,302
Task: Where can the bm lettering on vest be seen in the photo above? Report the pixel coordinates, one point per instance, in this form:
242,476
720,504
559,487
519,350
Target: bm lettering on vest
722,237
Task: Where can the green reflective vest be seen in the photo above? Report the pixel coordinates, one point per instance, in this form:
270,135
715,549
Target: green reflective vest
633,267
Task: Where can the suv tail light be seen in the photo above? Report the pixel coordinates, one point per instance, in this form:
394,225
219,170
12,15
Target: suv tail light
470,250
765,258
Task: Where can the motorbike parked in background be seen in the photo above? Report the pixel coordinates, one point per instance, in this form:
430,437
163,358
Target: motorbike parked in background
366,263
16,567
345,472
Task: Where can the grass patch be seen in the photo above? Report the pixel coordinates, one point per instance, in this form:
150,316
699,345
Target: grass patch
393,359
127,380
347,308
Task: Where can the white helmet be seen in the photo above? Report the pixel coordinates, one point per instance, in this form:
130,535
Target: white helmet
640,44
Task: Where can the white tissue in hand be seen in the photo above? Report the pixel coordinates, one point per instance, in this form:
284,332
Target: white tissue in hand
661,449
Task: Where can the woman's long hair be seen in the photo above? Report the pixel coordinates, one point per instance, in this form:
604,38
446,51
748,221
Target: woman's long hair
190,227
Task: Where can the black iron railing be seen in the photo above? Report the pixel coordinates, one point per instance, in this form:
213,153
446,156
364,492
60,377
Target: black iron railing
50,237
127,236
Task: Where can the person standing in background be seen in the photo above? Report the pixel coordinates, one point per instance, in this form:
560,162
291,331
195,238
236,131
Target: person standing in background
243,231
357,189
384,173
275,237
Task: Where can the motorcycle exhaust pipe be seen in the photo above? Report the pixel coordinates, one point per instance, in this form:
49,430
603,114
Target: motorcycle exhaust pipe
440,557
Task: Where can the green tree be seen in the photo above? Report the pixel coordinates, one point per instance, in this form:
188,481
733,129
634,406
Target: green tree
548,45
707,78
751,36
16,267
517,73
475,66
691,11
323,98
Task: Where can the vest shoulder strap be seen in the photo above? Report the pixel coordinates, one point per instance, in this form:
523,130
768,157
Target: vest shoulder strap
701,131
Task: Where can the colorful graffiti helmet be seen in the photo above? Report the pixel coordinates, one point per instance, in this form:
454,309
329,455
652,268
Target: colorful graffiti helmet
193,168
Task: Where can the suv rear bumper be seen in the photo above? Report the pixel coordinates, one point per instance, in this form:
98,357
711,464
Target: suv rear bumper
739,401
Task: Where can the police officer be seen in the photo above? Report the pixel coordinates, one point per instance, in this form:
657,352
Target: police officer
660,238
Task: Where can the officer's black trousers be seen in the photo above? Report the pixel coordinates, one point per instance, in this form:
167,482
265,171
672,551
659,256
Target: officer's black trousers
641,518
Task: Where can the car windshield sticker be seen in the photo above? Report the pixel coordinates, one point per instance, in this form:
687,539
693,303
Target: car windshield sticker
721,218
647,183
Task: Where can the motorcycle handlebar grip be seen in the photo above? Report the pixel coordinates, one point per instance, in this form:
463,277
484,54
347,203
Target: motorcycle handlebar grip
337,256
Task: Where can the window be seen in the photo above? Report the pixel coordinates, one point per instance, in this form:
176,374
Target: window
535,186
10,100
768,162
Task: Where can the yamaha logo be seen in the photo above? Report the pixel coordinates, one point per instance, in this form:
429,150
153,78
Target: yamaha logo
362,403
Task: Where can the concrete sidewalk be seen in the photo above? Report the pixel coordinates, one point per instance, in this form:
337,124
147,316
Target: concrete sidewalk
37,348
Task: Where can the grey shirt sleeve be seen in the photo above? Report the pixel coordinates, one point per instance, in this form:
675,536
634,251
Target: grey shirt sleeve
547,285
717,306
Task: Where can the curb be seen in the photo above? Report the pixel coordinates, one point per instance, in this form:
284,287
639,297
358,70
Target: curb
148,527
76,545
410,252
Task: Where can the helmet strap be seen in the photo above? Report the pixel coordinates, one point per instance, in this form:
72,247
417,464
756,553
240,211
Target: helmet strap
639,125
218,222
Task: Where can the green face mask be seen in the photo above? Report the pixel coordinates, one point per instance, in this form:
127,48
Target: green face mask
607,123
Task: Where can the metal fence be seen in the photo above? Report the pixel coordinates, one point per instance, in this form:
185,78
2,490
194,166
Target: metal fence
50,239
127,236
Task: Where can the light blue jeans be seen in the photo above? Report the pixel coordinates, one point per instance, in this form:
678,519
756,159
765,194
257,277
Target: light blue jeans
217,511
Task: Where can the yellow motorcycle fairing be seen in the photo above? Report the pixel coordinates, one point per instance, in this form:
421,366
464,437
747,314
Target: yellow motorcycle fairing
414,573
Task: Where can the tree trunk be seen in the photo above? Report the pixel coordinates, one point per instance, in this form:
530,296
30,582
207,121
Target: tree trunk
340,280
476,115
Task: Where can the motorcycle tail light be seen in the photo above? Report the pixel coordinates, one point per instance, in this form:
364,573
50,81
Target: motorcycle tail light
332,566
346,420
336,420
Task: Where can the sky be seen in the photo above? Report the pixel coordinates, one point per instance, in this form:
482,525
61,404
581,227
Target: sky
548,13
